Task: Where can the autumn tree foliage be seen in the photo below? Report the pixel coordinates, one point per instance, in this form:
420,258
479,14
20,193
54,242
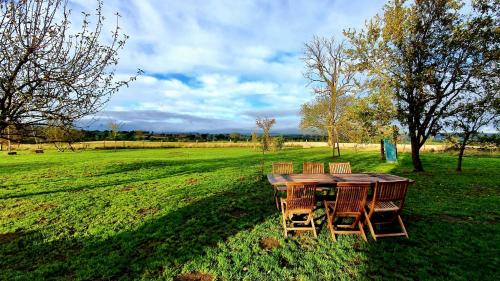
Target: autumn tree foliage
332,80
427,52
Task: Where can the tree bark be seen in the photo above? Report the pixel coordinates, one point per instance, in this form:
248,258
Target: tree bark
338,144
461,153
415,155
382,151
9,145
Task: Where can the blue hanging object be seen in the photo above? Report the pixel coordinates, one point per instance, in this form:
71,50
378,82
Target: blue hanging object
391,154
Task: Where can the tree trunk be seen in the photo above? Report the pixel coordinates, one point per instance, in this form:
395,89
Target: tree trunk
396,147
335,141
461,153
9,145
415,155
382,151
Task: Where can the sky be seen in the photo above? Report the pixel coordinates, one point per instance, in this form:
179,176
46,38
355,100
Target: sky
216,66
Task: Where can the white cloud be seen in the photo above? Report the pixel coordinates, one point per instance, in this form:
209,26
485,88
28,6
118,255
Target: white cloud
240,56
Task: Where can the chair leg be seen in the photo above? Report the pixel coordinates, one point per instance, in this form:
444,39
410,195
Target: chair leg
402,226
283,215
284,227
313,226
370,226
362,231
329,221
276,200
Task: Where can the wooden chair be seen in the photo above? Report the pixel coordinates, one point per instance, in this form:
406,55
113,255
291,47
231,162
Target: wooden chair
313,168
281,168
388,199
300,201
340,168
350,202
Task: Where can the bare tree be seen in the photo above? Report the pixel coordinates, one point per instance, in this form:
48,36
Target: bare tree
265,124
49,75
332,79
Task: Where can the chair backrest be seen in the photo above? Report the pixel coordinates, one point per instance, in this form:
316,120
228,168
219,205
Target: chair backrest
351,197
390,191
283,168
313,168
300,195
340,168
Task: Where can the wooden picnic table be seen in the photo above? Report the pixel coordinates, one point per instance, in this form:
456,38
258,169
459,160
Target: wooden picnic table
330,180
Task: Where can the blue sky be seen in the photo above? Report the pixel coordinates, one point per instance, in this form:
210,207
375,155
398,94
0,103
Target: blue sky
217,65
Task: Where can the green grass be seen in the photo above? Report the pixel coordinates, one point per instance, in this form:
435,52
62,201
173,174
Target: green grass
154,214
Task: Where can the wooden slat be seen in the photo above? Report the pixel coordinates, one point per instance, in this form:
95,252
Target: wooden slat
313,168
340,168
282,167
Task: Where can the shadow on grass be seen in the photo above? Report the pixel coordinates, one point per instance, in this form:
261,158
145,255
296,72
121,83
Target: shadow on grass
159,246
157,169
439,248
163,243
114,174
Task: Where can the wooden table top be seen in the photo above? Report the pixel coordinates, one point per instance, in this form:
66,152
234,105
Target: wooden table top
332,179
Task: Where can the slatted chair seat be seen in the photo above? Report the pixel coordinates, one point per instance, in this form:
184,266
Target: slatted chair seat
383,206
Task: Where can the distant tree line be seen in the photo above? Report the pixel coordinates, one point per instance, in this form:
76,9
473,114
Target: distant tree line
52,134
49,135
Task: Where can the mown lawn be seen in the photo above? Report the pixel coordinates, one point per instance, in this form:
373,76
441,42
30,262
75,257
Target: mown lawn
194,213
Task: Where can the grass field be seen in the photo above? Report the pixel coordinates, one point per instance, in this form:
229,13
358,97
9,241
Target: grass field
184,214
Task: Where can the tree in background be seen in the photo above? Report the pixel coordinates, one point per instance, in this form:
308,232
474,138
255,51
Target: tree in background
10,134
332,79
48,74
139,135
426,51
255,139
315,117
114,128
479,108
265,124
278,143
373,113
235,137
481,105
63,137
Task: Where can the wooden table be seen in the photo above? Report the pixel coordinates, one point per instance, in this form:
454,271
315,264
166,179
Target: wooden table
331,180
